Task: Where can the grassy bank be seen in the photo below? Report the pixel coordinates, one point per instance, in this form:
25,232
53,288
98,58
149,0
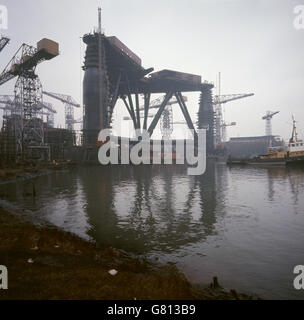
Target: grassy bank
46,263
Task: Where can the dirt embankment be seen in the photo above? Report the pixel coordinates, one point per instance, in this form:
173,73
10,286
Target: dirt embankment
46,263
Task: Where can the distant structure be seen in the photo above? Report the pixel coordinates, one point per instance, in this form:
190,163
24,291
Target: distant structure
220,127
224,127
70,104
268,118
246,147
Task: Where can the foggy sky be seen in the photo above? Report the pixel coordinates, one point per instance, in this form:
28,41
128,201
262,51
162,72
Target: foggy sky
252,43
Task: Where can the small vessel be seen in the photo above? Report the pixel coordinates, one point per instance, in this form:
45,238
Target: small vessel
292,155
295,150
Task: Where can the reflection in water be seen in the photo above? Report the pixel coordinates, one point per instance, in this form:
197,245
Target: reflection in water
292,174
244,224
149,208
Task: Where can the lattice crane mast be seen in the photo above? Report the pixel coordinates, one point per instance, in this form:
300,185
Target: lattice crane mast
220,128
28,92
3,42
69,103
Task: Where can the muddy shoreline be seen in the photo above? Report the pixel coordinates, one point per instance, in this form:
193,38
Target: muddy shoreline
46,263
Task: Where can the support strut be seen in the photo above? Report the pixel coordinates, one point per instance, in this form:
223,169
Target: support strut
159,112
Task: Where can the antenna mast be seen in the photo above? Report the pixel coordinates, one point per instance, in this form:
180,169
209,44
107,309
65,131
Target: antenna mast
99,19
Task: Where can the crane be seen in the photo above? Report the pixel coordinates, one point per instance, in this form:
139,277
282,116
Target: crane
3,42
69,103
221,99
50,112
155,104
166,120
224,125
47,108
218,101
28,92
268,117
224,129
25,61
294,135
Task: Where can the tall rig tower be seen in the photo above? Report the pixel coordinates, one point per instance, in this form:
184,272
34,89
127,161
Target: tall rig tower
95,86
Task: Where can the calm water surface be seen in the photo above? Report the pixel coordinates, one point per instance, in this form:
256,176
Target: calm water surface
243,224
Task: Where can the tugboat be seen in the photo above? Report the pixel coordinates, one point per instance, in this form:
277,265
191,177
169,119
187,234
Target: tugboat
293,155
295,150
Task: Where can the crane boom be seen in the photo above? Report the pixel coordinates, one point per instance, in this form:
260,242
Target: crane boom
3,42
230,124
26,59
41,105
63,98
11,108
48,106
230,97
269,115
155,104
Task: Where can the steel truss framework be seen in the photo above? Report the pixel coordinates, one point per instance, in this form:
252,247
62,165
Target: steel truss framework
28,98
166,123
25,124
162,114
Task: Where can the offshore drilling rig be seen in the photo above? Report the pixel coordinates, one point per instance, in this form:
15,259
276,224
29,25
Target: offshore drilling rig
113,71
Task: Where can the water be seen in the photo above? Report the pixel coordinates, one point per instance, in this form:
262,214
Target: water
243,224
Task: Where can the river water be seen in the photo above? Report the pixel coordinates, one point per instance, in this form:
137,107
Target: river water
242,224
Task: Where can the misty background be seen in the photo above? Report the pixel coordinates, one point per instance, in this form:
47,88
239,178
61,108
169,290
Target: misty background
252,43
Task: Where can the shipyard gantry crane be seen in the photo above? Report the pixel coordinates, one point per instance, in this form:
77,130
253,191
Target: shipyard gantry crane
3,42
69,103
28,120
220,127
268,117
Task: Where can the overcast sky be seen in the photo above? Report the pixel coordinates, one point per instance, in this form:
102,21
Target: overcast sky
252,43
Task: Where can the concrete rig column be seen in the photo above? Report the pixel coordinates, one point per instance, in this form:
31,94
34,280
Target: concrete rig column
95,88
206,116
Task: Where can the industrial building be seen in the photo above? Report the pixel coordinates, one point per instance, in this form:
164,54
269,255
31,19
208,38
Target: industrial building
247,147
